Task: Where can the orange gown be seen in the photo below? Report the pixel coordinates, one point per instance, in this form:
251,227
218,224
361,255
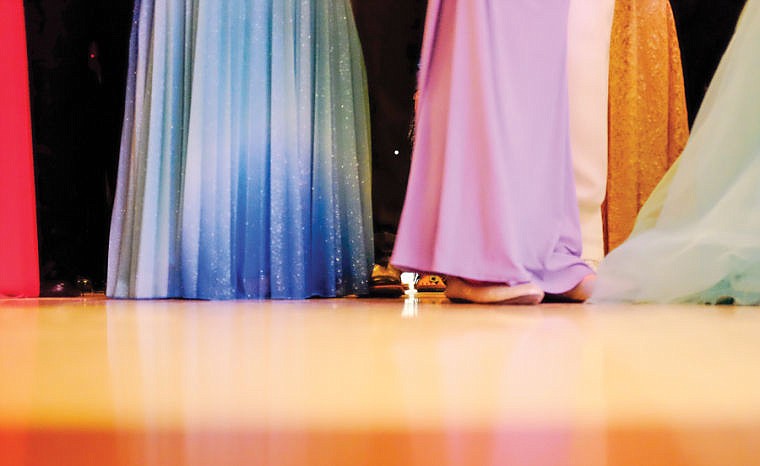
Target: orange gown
648,122
19,269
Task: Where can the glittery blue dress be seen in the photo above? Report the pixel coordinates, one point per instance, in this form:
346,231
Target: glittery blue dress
244,169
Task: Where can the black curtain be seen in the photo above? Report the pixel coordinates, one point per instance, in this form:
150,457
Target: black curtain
78,53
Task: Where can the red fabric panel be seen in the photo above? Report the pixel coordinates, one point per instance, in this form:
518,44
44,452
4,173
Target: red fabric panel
19,269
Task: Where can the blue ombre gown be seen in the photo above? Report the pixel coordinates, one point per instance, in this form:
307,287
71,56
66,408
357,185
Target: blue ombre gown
244,168
697,239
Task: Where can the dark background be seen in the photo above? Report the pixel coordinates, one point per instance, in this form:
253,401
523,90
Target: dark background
391,35
704,29
77,60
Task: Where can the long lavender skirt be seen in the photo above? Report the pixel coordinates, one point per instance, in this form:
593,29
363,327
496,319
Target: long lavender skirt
491,194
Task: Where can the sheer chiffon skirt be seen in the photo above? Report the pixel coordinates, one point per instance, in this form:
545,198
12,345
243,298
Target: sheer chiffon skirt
696,238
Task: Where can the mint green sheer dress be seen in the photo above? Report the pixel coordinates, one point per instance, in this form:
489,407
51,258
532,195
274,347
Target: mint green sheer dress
697,239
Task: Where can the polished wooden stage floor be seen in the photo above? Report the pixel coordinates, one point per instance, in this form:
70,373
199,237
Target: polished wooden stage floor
376,382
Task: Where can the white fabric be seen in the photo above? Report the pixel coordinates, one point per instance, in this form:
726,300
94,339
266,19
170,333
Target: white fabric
589,32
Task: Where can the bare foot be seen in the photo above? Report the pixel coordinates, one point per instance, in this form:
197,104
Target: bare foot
458,289
582,290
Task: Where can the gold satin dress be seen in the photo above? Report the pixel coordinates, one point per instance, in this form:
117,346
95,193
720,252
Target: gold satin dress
648,123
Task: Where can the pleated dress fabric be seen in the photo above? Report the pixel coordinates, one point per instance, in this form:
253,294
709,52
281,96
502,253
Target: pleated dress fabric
491,195
19,265
648,121
245,164
696,239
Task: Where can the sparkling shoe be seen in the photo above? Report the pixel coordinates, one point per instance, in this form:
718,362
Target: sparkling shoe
59,289
429,283
386,282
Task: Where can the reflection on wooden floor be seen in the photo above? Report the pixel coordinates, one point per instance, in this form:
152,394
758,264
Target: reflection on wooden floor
376,382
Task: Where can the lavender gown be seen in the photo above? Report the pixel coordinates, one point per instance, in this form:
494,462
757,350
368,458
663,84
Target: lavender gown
491,195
